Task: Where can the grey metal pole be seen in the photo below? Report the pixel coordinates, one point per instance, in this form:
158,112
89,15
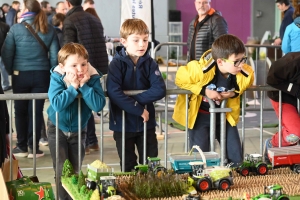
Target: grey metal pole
243,122
166,131
79,133
10,141
123,141
280,118
212,129
223,134
34,135
57,155
187,140
101,136
261,121
145,141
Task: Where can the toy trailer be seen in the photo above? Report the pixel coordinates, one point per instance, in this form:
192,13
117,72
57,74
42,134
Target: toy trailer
285,156
93,173
180,162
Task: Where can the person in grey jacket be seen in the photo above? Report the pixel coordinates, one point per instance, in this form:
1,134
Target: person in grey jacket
30,64
204,29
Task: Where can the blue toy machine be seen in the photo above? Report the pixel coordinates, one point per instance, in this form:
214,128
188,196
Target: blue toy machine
180,161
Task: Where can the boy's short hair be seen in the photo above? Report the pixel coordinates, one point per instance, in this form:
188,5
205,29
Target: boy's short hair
133,26
286,2
227,45
72,49
57,19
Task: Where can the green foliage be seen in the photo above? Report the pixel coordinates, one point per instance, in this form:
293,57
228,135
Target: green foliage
74,179
90,194
81,180
173,55
83,190
151,186
67,169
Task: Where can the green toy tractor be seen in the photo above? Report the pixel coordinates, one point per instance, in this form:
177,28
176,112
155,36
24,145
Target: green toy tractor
153,165
273,192
252,163
107,186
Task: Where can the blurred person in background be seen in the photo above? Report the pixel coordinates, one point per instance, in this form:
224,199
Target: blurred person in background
88,4
204,29
291,38
3,11
288,11
57,22
30,72
10,17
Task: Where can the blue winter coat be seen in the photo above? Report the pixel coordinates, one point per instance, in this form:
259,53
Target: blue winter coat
22,52
63,99
124,75
291,38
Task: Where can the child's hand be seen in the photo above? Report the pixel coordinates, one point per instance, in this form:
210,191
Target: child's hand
72,78
213,95
145,115
226,95
85,79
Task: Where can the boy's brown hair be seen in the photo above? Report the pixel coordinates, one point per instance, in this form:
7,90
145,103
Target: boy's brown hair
57,19
72,49
227,45
133,26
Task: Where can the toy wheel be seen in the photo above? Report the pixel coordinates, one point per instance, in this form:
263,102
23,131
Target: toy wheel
203,185
244,171
224,185
297,169
262,169
159,171
284,198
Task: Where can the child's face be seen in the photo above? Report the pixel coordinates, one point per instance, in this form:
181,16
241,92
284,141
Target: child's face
76,65
233,64
136,45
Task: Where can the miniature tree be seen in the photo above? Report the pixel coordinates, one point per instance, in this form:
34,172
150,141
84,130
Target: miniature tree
74,179
81,180
83,190
67,169
95,195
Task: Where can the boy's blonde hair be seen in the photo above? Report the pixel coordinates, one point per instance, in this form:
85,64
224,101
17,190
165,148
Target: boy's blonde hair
133,26
72,49
227,45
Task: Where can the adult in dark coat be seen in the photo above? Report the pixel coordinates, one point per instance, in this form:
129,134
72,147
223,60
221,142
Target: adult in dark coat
4,124
3,10
84,28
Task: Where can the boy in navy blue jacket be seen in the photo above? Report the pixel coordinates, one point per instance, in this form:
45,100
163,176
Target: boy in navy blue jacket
133,69
73,76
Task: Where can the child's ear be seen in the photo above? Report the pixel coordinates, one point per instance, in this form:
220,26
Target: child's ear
123,42
219,61
61,66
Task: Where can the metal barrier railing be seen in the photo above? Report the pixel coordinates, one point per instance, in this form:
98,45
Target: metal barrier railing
212,110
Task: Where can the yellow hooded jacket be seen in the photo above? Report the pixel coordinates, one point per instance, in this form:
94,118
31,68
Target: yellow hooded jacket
197,74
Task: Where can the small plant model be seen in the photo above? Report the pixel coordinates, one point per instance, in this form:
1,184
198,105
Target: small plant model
252,163
273,192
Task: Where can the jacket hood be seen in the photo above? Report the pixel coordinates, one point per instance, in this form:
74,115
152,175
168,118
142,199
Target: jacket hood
122,55
297,21
206,59
91,70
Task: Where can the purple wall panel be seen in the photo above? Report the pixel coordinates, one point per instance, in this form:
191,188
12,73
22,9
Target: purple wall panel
236,12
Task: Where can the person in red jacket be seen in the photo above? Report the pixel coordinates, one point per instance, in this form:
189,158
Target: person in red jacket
284,75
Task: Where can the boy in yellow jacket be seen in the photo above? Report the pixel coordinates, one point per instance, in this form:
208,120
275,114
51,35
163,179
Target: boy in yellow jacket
221,73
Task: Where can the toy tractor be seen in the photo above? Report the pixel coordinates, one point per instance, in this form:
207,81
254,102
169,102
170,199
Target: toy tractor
205,179
107,186
252,163
274,193
153,165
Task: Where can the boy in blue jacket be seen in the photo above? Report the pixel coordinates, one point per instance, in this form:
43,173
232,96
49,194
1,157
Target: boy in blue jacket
73,76
133,69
